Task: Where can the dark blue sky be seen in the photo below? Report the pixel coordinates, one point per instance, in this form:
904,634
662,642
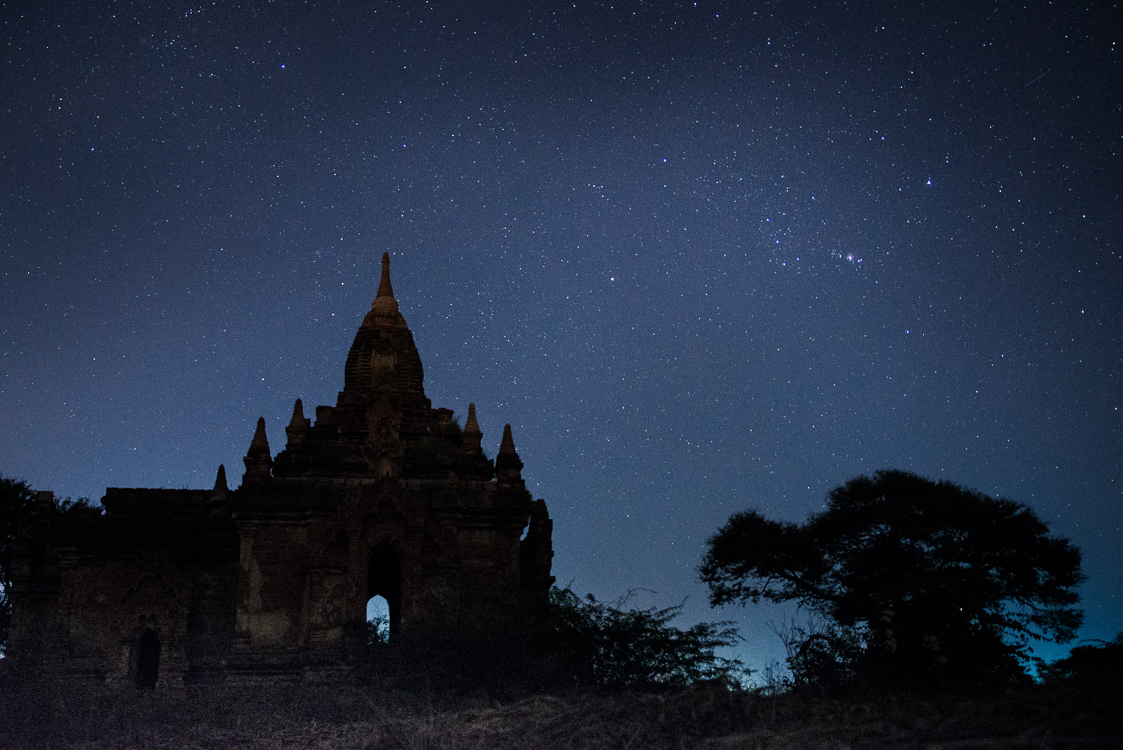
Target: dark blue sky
702,257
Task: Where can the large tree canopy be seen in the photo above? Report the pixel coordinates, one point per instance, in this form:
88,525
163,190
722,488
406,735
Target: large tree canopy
926,582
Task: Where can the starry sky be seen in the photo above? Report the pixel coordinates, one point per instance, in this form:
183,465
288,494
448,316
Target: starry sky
701,256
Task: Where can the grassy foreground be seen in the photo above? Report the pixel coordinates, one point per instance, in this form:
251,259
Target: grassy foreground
46,715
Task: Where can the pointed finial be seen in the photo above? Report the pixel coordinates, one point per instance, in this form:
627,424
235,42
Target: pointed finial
508,465
384,288
220,480
260,442
471,435
507,445
298,425
258,461
384,302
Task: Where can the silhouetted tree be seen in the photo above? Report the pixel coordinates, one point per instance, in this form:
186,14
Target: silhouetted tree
1090,664
16,503
596,644
927,583
16,498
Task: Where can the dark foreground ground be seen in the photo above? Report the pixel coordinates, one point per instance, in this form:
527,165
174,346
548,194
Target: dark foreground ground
46,715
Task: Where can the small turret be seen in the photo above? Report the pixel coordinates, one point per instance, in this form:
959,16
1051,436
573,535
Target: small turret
508,465
298,425
471,435
258,461
219,495
220,480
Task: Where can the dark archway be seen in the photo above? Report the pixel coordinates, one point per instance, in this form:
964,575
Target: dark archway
145,660
384,578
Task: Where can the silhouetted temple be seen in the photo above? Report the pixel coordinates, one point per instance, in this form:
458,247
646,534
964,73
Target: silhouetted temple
382,495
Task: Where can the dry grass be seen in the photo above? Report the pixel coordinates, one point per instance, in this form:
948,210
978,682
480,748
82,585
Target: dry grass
46,715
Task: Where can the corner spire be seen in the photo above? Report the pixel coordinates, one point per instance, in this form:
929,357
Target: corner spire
507,444
508,465
298,426
220,480
258,460
471,435
471,425
260,443
384,288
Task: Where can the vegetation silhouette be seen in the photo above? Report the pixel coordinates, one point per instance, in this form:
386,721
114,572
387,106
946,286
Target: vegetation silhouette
594,644
925,585
1089,664
598,674
16,499
581,645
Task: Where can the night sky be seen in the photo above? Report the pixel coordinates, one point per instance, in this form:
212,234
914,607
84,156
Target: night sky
701,256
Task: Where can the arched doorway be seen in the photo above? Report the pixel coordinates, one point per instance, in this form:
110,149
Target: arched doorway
145,659
384,579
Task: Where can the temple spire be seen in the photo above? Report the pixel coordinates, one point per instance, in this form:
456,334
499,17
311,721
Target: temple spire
384,307
507,444
471,437
508,466
298,426
384,288
260,443
258,461
471,425
220,480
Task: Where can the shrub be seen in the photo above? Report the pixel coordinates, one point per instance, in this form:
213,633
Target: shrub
1097,664
589,643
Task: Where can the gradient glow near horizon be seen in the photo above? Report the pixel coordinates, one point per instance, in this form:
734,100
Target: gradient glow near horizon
701,256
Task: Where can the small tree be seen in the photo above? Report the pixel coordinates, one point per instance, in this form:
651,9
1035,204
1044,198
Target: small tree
597,644
16,502
820,652
1095,663
16,499
928,583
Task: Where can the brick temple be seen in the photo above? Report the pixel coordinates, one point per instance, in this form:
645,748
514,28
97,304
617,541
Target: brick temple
380,496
